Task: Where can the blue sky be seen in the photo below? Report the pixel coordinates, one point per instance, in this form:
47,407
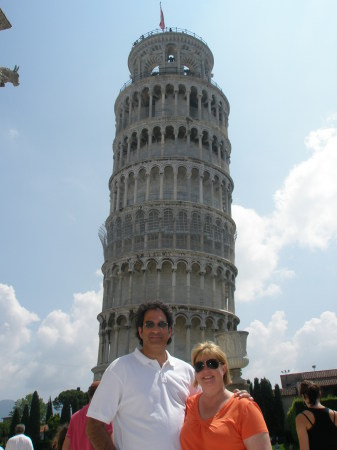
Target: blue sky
276,62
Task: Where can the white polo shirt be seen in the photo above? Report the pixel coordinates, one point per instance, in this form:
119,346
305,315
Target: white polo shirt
19,442
145,402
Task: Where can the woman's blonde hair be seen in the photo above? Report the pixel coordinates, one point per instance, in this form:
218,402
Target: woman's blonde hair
212,349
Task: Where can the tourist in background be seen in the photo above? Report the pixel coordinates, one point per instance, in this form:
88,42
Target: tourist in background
316,426
59,438
76,437
20,441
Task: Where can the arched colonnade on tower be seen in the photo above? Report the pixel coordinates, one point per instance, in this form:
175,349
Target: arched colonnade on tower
171,180
146,142
173,227
161,98
175,280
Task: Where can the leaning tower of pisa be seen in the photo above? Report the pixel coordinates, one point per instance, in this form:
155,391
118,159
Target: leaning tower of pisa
170,234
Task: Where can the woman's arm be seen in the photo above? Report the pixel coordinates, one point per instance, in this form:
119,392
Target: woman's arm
302,432
66,444
259,441
333,416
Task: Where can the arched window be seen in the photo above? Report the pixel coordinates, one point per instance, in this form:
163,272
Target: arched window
167,228
195,231
139,230
128,233
153,229
181,230
208,235
118,236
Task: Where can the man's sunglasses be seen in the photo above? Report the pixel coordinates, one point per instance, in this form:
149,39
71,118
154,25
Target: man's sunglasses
150,324
210,363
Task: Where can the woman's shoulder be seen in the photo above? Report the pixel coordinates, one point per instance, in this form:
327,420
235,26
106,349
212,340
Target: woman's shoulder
333,416
193,400
241,402
305,417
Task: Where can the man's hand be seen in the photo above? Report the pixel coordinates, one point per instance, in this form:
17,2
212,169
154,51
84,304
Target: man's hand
242,394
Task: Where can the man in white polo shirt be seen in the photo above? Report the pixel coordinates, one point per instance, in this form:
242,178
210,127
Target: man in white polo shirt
143,393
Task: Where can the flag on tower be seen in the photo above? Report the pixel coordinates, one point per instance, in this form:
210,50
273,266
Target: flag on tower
162,21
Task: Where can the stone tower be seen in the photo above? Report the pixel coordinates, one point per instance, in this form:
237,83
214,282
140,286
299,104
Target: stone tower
170,234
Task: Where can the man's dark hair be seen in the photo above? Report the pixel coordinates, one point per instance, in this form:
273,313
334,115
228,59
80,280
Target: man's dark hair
147,307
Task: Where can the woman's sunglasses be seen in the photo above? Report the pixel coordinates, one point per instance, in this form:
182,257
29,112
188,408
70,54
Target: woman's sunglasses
210,363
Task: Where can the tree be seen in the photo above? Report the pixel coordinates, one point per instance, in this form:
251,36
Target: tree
250,387
271,405
65,413
4,431
279,411
49,412
267,406
35,419
257,392
20,404
74,397
53,424
25,416
15,420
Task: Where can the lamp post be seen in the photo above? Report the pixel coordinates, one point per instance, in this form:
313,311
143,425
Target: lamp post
285,372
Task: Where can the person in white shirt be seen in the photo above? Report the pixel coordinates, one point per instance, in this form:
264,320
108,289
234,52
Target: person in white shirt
20,441
144,393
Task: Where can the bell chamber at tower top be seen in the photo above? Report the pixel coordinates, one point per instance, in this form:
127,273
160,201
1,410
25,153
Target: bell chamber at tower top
171,79
177,51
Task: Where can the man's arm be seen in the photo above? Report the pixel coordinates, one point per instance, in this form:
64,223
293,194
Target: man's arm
98,436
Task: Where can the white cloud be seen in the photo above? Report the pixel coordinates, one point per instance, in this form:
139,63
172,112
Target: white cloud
306,204
13,133
270,350
304,214
256,255
58,355
317,340
15,321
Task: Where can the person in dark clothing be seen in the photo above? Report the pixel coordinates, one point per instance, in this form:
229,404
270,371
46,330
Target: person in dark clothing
316,426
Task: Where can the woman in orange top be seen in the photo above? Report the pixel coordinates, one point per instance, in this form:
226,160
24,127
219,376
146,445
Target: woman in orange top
215,419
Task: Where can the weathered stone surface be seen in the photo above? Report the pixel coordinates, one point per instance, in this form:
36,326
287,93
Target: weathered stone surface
9,76
4,22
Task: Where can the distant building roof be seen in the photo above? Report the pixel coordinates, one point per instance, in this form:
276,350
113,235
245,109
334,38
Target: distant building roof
324,378
321,377
4,22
